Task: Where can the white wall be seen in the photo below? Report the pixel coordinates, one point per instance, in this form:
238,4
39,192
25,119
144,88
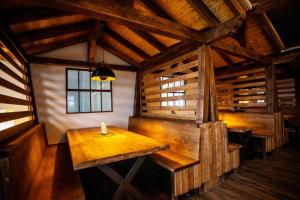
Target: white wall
50,95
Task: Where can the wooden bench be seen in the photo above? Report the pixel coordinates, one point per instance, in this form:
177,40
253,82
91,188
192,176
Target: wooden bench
182,159
189,143
32,170
269,128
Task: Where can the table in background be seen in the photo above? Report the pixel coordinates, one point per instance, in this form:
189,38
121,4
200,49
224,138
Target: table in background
244,136
91,149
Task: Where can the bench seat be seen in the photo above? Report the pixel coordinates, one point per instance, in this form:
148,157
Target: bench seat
56,178
173,161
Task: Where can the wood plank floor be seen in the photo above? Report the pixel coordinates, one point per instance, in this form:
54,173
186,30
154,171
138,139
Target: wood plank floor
277,177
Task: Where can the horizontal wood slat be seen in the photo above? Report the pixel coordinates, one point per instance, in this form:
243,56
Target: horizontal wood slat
13,100
11,61
14,115
170,108
9,132
191,86
12,73
184,97
240,73
13,87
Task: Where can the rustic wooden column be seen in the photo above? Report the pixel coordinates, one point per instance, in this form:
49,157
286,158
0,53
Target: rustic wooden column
272,106
137,95
207,100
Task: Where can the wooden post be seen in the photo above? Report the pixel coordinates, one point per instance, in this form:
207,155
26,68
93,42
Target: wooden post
203,84
213,114
137,95
271,89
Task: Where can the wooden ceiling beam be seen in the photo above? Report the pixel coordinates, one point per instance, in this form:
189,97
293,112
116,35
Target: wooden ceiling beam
56,45
151,40
241,52
118,53
225,57
74,63
128,16
151,5
126,43
204,12
265,5
92,46
28,37
231,7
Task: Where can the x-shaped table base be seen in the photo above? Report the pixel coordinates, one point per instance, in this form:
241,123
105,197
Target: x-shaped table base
124,184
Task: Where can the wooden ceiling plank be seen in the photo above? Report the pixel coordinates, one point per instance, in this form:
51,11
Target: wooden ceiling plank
41,34
225,58
92,46
241,52
204,12
118,53
126,43
125,15
74,63
150,39
151,5
56,45
232,8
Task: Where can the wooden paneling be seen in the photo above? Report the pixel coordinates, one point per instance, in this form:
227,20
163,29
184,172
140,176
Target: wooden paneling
286,94
243,90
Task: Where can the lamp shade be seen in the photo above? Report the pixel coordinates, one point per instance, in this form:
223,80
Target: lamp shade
103,73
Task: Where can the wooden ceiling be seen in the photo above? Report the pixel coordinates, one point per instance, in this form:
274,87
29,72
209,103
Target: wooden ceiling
144,33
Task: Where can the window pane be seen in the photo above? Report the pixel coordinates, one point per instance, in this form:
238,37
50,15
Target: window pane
72,79
106,101
96,101
96,85
106,85
84,101
84,79
72,102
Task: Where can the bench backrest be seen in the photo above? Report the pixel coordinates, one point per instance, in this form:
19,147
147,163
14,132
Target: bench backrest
260,123
23,155
183,136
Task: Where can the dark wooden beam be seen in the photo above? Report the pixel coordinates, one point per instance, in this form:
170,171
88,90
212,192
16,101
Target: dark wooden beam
225,29
126,43
241,52
271,89
92,46
225,57
126,15
56,45
265,5
172,52
151,5
241,35
118,53
52,32
204,12
151,40
31,14
231,7
75,63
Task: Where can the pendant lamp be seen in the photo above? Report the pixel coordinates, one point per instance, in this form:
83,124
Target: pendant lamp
103,72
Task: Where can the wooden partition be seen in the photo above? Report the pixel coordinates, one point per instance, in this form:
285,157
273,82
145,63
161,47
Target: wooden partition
286,94
170,90
269,125
212,149
243,90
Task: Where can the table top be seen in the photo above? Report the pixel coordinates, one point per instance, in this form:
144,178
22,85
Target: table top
239,129
89,148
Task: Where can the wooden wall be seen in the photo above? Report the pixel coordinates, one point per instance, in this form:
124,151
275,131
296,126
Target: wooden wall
242,90
161,98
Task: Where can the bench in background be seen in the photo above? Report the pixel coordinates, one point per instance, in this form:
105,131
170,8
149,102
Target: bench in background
268,127
30,169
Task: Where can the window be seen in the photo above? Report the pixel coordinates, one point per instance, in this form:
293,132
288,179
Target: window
177,102
85,95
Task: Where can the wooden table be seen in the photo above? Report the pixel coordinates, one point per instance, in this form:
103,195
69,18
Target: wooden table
91,149
244,135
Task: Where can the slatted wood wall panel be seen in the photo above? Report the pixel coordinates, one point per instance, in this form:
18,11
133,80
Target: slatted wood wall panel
16,110
242,91
170,89
286,95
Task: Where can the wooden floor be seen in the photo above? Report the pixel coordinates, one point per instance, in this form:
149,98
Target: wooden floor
277,177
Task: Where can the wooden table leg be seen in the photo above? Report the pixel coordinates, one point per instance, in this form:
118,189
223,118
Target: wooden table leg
124,183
